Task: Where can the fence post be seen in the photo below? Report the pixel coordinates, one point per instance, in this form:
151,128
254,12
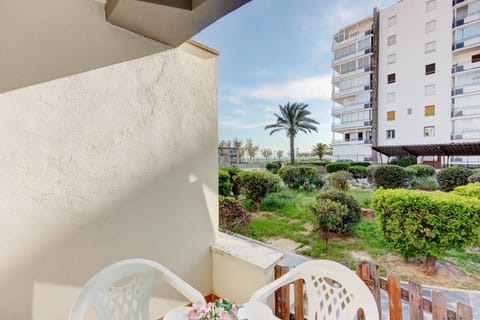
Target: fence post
394,297
464,312
368,272
415,299
282,296
439,306
298,289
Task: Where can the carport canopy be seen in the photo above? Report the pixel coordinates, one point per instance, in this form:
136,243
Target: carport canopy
448,149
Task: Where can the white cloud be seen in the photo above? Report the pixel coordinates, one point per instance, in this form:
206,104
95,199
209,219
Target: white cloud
318,87
240,111
237,125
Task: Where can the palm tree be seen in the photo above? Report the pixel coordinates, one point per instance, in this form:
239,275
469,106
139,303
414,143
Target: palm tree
320,149
293,118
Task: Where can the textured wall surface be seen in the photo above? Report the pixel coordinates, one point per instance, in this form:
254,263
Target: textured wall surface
114,163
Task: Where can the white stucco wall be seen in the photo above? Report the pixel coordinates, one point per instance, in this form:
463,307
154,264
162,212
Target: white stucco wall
409,87
114,163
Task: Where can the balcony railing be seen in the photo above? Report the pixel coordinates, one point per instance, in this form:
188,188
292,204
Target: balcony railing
351,141
352,124
467,134
465,65
337,110
349,91
352,36
466,42
466,88
472,16
337,77
351,56
466,111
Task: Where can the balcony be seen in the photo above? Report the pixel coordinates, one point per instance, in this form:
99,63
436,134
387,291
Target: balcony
337,93
351,56
338,142
467,88
455,2
472,16
467,134
465,66
461,42
351,37
352,124
338,77
338,109
468,111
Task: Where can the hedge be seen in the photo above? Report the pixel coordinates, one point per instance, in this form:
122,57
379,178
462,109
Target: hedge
450,177
296,177
390,176
469,190
337,166
360,163
358,172
421,170
224,183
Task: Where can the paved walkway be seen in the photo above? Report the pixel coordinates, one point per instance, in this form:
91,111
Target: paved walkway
468,297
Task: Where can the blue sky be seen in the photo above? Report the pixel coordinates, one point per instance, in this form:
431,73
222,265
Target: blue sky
273,52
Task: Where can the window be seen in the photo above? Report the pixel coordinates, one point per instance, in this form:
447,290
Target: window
391,21
391,97
391,58
430,110
409,111
430,26
391,78
390,115
430,90
475,58
429,131
430,47
430,69
347,136
430,5
390,134
391,40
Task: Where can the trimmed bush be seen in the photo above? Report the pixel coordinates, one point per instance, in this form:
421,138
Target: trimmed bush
352,217
330,215
234,172
255,185
296,177
274,166
469,190
450,177
371,172
224,183
421,170
404,161
337,166
475,177
427,224
360,163
358,172
424,183
390,176
233,216
339,181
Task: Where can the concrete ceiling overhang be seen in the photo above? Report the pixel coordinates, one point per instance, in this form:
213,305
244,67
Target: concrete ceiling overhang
168,21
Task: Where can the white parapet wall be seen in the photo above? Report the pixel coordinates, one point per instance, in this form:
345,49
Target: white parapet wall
241,267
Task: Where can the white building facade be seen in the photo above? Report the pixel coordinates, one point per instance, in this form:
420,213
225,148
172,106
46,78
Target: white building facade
425,87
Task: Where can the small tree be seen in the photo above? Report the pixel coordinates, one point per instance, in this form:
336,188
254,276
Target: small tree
251,149
266,153
330,215
320,149
279,154
255,185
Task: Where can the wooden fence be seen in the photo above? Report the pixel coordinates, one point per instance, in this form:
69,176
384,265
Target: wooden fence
368,272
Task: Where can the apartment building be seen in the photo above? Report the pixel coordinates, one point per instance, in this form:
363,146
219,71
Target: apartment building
424,85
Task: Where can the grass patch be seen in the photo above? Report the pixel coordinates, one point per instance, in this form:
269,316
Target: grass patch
272,226
364,197
470,261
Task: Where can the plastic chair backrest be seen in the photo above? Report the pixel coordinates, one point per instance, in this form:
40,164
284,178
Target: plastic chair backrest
122,290
333,291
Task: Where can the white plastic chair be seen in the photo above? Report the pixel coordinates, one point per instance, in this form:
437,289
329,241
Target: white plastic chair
327,299
122,291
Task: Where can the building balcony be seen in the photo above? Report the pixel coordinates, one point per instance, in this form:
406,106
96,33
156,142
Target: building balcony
338,77
465,66
351,37
467,88
351,56
351,125
455,2
338,142
338,110
337,93
467,134
473,16
469,111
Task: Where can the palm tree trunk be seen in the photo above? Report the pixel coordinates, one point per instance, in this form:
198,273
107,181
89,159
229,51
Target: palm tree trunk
292,150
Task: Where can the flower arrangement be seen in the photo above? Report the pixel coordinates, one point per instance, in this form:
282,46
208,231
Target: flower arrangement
221,309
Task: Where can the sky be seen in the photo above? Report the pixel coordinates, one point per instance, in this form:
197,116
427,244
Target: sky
278,51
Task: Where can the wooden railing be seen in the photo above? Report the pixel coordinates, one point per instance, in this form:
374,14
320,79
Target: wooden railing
368,272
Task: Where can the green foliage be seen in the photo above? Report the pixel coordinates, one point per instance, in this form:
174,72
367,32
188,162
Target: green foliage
404,161
339,180
330,215
390,176
234,172
274,166
371,172
296,177
255,185
469,190
363,197
360,163
249,205
421,170
426,183
353,215
475,177
317,163
450,177
358,172
224,183
337,166
418,223
233,216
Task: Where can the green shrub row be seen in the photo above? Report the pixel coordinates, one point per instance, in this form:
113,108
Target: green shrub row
469,190
421,170
296,177
274,166
337,166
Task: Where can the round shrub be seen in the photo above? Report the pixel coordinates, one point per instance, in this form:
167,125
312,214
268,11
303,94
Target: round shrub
337,166
296,177
255,185
404,161
233,216
339,181
450,177
352,217
360,163
224,183
330,215
475,177
358,172
421,170
424,183
371,172
274,166
469,190
390,176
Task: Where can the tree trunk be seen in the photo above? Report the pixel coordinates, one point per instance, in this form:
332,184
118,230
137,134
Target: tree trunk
292,150
429,267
